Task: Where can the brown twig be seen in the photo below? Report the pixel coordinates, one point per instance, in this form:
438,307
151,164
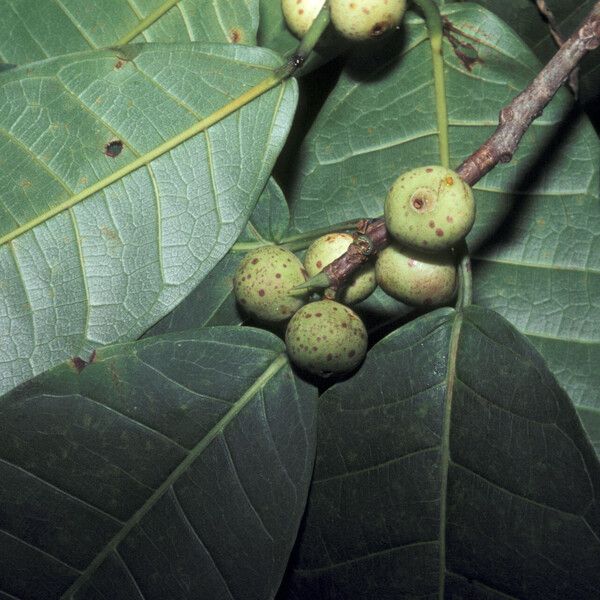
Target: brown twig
514,121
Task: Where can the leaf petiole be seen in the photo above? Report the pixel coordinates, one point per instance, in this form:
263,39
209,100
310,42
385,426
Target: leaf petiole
435,28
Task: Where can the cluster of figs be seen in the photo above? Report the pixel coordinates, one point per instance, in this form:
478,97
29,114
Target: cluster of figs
428,211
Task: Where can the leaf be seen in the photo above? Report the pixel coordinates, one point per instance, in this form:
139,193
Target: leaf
451,466
537,232
174,467
31,30
117,262
212,302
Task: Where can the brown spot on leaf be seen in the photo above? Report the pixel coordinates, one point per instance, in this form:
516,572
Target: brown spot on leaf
319,264
109,233
450,219
278,275
465,52
432,224
254,261
261,292
79,364
235,35
439,232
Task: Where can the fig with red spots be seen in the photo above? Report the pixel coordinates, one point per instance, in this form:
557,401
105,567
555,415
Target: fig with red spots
366,19
263,286
324,251
342,350
299,14
424,199
416,278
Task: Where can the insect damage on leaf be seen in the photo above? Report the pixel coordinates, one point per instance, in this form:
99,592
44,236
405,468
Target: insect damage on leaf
79,364
465,52
235,35
113,148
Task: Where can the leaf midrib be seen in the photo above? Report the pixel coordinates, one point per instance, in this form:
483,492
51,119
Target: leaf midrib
445,447
276,365
269,82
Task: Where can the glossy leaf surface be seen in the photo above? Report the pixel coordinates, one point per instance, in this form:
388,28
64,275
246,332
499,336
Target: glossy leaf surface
451,466
537,232
31,30
118,261
175,467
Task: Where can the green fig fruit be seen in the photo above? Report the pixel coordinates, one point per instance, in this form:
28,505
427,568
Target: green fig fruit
325,338
324,251
366,19
299,14
263,282
416,278
429,208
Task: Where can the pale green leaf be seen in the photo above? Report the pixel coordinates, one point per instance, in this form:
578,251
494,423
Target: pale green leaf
118,261
213,302
31,30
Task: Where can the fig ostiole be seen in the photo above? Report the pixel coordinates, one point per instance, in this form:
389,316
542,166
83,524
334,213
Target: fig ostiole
429,209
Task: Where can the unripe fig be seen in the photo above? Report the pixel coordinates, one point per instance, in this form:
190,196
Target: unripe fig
366,19
263,281
429,208
416,278
326,337
299,14
324,251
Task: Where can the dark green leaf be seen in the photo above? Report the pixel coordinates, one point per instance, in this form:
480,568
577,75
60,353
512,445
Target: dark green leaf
525,18
121,259
32,30
537,236
451,466
174,467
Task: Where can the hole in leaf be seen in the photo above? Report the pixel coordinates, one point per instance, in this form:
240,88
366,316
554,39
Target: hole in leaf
113,148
